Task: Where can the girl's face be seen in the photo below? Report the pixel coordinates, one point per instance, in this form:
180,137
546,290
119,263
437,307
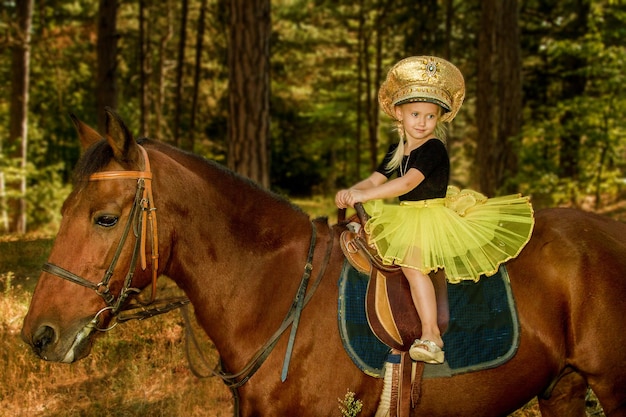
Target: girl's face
419,119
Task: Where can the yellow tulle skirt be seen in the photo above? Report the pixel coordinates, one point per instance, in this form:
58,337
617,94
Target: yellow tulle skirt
465,233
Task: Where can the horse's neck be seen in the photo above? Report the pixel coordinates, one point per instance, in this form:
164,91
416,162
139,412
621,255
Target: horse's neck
237,251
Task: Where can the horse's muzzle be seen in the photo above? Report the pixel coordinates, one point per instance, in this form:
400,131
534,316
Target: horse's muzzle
48,345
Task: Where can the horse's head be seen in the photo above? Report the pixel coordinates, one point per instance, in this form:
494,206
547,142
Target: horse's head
98,260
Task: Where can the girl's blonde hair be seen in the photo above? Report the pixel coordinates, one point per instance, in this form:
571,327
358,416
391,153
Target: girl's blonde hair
440,133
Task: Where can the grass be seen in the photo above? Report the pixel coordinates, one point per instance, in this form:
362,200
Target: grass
138,369
22,259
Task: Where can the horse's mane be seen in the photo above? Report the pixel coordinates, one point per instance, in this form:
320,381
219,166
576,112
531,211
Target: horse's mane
95,158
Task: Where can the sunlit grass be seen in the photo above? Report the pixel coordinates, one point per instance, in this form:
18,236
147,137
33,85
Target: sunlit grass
138,369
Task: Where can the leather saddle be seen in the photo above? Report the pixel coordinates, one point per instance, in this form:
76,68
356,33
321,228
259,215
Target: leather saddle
391,314
390,310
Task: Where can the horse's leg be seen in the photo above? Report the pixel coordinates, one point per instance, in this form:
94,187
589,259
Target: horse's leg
567,397
611,397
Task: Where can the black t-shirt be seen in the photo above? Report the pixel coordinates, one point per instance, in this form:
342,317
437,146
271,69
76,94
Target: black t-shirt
432,160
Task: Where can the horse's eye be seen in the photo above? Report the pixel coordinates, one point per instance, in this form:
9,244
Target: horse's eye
106,220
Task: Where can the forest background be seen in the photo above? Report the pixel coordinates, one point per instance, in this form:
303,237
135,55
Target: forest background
543,113
283,91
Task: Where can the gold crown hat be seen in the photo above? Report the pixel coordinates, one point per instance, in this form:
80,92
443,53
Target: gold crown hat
426,79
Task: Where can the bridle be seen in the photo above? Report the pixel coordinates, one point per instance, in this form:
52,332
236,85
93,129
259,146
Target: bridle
142,212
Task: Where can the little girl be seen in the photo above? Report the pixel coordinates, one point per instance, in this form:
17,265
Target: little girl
434,226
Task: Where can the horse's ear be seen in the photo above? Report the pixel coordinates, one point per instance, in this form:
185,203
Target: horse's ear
87,135
120,139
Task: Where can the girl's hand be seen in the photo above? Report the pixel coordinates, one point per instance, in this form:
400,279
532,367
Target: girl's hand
341,199
348,198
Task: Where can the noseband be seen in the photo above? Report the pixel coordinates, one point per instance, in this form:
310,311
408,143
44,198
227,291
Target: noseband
142,212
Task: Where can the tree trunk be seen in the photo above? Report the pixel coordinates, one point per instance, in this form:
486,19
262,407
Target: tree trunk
369,100
499,95
144,68
449,19
372,83
180,67
159,107
373,124
106,91
485,103
4,214
189,141
361,67
18,129
448,12
574,82
509,95
249,89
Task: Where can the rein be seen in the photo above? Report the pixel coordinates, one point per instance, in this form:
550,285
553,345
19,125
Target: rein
142,213
236,380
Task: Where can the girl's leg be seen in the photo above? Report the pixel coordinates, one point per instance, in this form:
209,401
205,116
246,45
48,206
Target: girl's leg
423,295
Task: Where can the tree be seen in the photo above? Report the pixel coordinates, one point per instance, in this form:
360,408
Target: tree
573,78
161,72
373,81
18,133
178,99
509,124
499,97
328,59
190,142
249,88
144,67
106,89
574,83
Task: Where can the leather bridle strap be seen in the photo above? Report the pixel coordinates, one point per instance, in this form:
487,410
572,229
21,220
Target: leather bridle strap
298,303
143,210
101,289
236,380
148,212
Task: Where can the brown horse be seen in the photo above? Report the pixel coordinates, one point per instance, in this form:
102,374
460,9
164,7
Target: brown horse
240,254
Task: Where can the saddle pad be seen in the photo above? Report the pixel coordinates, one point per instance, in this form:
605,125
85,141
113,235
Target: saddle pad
483,331
363,347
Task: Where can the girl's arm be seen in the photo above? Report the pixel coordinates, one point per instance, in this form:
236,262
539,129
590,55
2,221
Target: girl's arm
374,180
394,188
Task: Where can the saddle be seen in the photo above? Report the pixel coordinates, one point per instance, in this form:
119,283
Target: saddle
391,313
390,309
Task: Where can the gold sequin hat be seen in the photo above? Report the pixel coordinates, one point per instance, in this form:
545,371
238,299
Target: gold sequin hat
423,78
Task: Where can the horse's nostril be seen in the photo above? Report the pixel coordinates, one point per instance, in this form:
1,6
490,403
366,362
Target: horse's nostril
42,338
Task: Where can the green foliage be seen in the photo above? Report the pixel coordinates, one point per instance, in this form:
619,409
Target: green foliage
579,53
572,144
46,193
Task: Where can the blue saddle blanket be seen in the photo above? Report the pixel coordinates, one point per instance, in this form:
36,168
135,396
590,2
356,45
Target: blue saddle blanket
483,331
